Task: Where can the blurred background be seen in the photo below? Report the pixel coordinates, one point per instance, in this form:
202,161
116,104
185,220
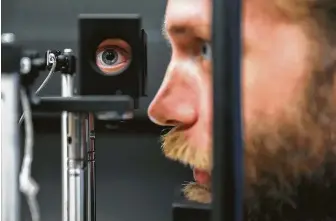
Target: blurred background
134,180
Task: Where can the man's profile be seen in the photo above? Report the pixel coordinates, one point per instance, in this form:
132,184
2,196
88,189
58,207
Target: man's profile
288,99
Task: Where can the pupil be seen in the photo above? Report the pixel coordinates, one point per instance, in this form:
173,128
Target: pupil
204,49
109,57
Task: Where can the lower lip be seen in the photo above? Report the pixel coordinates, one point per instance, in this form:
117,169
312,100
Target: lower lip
201,177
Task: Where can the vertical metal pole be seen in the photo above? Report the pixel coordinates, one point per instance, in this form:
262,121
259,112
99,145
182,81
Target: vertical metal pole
67,91
73,148
10,149
76,164
73,151
10,133
91,170
228,147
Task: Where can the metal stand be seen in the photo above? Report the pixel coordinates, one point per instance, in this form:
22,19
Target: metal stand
76,166
66,92
78,131
79,172
73,162
78,140
10,142
10,148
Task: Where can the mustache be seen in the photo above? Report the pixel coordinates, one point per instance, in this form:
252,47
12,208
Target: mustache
176,147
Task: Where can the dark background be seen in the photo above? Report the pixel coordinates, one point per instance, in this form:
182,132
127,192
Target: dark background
134,180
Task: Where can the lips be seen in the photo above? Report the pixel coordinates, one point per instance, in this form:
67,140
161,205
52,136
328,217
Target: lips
202,177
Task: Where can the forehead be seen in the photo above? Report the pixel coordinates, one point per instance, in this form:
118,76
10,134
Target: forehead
188,13
193,13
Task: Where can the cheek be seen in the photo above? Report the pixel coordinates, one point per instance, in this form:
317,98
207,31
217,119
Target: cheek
273,75
201,132
269,86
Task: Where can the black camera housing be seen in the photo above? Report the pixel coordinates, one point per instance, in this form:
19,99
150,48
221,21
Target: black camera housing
95,28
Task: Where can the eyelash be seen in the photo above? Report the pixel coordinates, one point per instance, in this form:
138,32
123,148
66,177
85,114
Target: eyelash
201,48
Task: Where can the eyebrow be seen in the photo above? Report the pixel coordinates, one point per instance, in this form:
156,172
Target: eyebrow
177,29
181,29
164,32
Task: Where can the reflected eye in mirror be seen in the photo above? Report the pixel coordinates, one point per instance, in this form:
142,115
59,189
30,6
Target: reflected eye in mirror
113,56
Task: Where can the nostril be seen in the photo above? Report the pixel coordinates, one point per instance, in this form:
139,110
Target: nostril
172,122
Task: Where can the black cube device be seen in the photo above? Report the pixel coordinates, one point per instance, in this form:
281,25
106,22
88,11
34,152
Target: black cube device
115,43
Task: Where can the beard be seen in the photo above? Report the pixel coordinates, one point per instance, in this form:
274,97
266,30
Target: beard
280,154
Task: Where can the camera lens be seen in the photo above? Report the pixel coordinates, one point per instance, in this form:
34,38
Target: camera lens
109,57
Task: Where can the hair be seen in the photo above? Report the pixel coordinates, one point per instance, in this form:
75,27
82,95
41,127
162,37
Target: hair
319,14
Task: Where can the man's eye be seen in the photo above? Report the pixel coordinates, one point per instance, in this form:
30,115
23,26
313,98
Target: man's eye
206,51
113,56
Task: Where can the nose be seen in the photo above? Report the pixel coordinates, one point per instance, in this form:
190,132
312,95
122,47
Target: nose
176,101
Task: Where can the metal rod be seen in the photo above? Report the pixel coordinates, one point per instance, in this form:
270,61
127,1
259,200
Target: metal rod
10,148
10,133
76,164
228,147
73,149
67,91
91,170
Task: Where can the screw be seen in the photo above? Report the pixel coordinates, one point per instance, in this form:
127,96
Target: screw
7,38
67,51
92,135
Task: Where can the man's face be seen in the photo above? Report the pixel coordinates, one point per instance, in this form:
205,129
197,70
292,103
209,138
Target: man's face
279,89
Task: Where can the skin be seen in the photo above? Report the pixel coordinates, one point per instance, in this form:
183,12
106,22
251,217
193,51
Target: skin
278,68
